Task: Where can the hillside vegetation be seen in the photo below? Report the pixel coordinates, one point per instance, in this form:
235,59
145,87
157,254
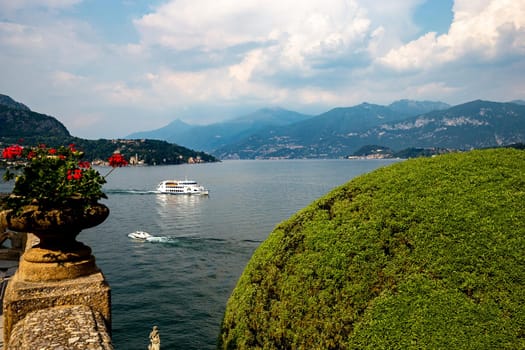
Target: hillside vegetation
17,122
20,125
424,254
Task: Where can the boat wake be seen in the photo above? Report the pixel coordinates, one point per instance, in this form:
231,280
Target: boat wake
156,239
187,241
129,191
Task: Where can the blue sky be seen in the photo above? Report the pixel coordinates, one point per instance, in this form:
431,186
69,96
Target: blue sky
109,68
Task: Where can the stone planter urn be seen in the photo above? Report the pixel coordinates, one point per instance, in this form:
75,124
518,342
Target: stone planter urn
58,255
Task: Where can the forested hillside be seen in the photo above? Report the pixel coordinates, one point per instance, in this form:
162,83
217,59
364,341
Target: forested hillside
20,125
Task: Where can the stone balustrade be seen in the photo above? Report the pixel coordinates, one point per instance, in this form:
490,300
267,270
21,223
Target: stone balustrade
62,327
65,314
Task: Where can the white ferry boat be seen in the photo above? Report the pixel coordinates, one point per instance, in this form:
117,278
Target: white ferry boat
181,187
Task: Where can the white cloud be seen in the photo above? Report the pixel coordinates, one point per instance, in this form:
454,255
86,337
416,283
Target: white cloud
54,44
300,29
267,42
119,93
213,86
392,22
243,71
62,79
189,24
191,85
482,31
18,36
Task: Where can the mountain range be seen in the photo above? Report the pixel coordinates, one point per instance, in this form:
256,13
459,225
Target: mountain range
340,132
279,133
215,136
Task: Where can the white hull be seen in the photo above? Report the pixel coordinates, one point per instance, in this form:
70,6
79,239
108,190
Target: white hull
139,235
181,187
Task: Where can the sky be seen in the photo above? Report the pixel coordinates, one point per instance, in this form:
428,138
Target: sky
107,68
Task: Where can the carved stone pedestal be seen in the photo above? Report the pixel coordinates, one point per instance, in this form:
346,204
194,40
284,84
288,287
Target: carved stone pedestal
22,297
58,272
40,264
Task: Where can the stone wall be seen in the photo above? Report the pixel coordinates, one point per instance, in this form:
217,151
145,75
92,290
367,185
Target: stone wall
62,327
69,314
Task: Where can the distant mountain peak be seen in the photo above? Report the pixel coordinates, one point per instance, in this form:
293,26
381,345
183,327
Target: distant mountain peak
413,107
18,121
179,122
9,102
368,105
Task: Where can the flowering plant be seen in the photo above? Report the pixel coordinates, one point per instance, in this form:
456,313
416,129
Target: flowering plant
53,177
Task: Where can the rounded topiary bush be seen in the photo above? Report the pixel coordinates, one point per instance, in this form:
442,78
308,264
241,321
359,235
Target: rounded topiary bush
426,253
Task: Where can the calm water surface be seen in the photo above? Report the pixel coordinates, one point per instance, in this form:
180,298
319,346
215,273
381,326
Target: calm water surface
182,282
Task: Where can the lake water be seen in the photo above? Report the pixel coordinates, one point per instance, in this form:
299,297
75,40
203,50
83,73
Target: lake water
182,283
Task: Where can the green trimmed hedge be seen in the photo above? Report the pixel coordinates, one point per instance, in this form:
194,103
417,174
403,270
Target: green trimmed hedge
424,254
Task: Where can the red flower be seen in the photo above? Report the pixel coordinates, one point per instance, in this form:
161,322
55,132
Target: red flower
51,176
12,152
117,160
75,174
84,165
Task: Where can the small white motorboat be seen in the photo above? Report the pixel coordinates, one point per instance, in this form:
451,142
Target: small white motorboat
139,235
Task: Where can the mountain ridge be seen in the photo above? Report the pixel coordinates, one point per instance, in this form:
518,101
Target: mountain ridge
18,120
223,135
9,102
217,135
475,124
